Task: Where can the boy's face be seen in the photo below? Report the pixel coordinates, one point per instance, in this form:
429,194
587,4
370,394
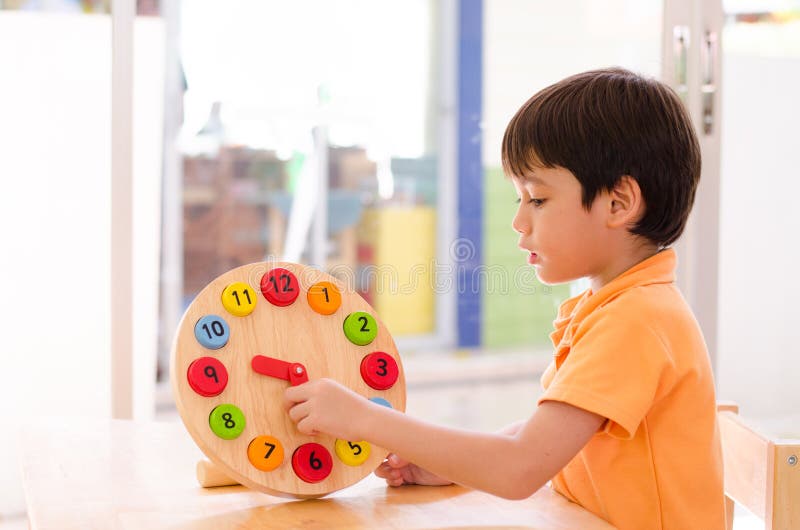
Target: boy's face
564,241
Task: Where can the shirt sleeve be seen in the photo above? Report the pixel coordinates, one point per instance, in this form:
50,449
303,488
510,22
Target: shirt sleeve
614,368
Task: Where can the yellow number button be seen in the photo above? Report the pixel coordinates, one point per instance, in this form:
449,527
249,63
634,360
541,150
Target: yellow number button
324,298
265,453
239,299
352,453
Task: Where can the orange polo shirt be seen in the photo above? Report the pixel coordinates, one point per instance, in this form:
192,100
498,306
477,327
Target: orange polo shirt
633,353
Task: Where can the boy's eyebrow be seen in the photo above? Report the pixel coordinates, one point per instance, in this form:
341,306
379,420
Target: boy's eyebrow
530,177
534,179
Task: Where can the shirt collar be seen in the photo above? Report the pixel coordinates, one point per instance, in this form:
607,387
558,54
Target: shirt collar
659,268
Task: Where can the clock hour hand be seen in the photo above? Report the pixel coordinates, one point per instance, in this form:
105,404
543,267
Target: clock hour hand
295,373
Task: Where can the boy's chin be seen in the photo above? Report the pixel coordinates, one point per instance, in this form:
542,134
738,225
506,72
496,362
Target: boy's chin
551,279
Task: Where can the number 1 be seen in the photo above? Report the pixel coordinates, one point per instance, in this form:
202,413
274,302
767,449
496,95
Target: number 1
217,327
246,293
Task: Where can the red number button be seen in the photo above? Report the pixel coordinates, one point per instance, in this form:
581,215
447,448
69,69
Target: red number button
280,287
207,376
312,462
379,370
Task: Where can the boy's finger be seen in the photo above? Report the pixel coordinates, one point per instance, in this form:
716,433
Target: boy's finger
299,412
396,461
292,395
306,426
383,470
388,473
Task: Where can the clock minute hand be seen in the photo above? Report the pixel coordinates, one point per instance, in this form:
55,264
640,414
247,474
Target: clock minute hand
295,373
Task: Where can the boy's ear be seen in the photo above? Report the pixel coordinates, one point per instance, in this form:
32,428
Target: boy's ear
625,203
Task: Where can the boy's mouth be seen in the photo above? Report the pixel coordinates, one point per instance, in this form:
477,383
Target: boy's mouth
532,257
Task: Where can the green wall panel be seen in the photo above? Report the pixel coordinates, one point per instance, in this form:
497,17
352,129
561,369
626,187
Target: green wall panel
517,309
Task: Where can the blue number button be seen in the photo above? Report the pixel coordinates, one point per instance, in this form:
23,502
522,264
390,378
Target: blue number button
212,332
381,401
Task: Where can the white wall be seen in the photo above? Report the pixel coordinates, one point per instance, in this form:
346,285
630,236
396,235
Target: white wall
55,212
531,44
759,328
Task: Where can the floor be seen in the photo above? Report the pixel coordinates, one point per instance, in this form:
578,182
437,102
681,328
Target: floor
466,390
743,520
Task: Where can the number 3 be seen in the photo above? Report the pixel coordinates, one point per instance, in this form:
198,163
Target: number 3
382,370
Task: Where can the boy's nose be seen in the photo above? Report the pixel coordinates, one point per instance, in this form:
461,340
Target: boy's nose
520,224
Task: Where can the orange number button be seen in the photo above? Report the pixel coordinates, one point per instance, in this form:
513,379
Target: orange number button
324,298
265,453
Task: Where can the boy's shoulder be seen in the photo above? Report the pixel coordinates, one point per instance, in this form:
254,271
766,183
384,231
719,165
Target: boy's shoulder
659,308
650,302
646,329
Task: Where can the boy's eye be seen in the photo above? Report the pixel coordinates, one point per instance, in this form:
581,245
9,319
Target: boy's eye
535,202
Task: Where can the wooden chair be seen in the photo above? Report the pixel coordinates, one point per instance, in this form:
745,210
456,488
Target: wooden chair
761,474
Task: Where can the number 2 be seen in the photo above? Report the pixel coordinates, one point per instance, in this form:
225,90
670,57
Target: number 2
287,283
364,323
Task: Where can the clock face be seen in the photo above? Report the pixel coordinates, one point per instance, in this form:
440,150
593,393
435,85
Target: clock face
251,333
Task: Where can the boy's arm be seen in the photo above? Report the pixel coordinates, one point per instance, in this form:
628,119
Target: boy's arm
510,466
398,471
512,428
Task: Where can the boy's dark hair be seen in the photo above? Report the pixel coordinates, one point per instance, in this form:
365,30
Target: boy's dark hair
604,124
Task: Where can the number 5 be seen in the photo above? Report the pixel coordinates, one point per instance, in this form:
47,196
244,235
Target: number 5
355,448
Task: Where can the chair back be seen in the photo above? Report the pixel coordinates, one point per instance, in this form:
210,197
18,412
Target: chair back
761,474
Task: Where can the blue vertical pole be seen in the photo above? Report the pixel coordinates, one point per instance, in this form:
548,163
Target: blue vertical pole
468,251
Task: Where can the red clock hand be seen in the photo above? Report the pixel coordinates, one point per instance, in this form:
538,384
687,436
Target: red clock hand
295,373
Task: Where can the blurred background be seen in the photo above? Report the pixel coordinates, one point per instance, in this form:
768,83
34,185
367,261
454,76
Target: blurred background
141,156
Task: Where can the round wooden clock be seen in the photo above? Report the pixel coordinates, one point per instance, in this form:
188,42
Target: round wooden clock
251,333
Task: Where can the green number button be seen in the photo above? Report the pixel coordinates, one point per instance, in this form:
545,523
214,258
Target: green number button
360,328
227,421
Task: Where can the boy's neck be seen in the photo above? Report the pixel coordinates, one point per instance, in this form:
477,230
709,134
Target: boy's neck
635,253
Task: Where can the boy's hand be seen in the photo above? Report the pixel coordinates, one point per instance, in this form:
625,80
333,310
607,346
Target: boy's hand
397,472
323,405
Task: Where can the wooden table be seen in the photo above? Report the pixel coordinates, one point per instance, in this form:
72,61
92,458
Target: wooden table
84,474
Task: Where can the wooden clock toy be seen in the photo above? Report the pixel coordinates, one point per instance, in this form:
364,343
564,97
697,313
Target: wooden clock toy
251,333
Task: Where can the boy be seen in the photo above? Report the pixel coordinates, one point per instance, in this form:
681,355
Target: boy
605,164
